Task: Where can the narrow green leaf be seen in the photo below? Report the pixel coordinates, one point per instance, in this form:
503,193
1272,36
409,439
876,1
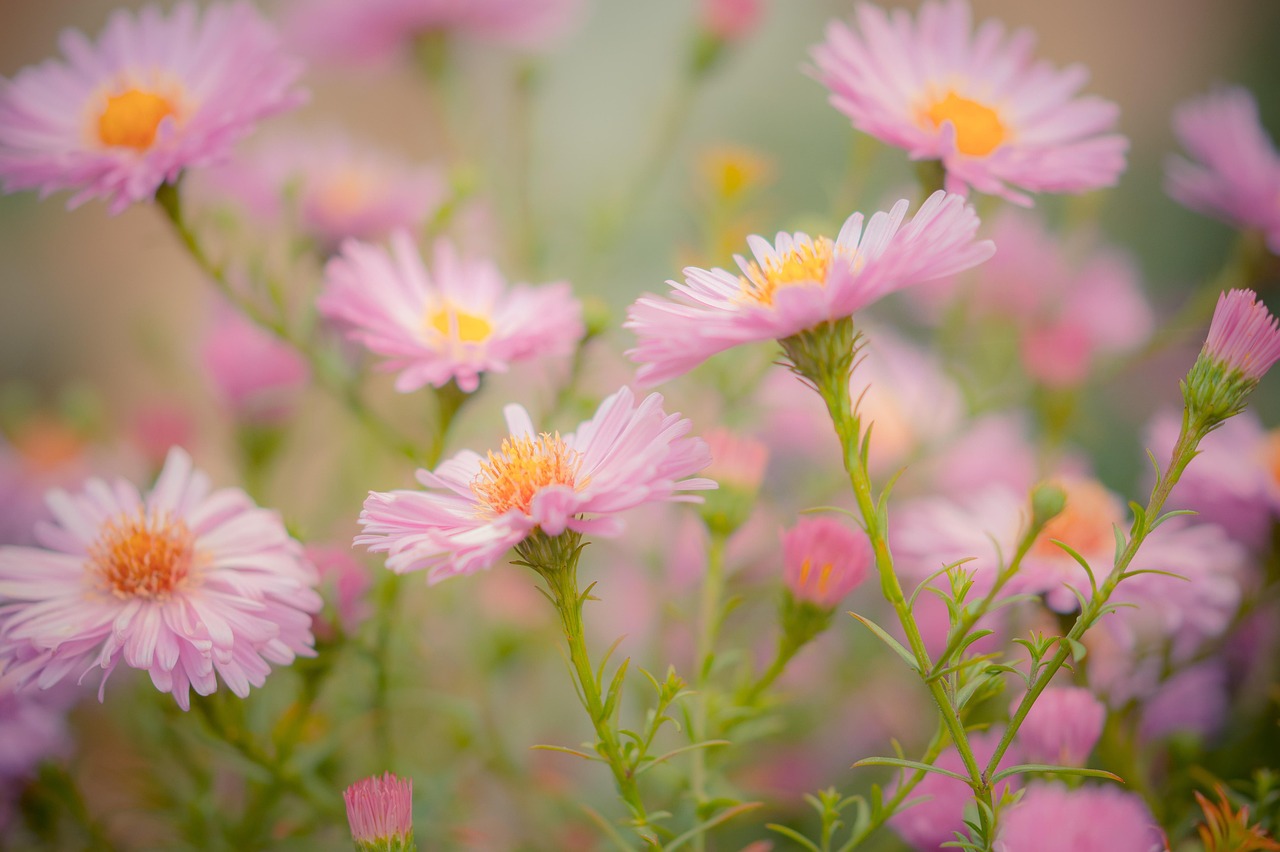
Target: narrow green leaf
793,835
676,751
1050,769
572,751
703,827
910,764
615,691
894,644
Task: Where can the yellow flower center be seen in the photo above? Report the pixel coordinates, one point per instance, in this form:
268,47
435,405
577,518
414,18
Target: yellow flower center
141,557
451,322
979,130
1085,523
804,264
523,466
131,119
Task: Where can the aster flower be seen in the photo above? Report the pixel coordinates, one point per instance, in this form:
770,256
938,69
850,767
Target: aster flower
155,96
1243,343
33,727
823,560
479,507
798,283
997,120
187,584
448,324
1053,818
1236,175
1062,727
375,30
380,812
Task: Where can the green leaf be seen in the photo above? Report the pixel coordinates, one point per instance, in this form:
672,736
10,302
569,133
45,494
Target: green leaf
1024,768
1084,563
894,644
793,835
1078,650
615,692
676,751
910,764
703,827
572,751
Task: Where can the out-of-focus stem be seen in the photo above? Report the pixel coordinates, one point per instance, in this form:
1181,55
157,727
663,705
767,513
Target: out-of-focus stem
709,618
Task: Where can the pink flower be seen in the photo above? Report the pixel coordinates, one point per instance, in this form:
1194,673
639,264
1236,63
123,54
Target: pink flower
33,727
1194,700
1243,335
977,102
186,584
798,283
937,807
731,20
255,373
1053,818
1063,726
346,581
375,30
156,95
380,811
478,508
450,324
1237,176
823,560
737,461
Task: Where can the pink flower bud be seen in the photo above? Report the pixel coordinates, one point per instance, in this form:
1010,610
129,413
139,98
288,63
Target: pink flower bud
380,811
823,560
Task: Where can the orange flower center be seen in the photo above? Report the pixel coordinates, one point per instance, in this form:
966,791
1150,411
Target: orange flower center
523,466
1085,523
451,322
45,444
141,557
979,130
804,264
131,119
346,192
1271,454
823,583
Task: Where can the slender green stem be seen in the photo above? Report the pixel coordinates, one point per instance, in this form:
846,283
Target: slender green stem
60,783
710,617
786,651
910,782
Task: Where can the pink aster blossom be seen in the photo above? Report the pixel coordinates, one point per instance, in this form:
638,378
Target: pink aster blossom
1236,173
255,374
998,120
376,30
451,323
1054,818
33,727
1063,726
477,507
730,20
346,582
1243,335
380,811
798,283
156,95
823,560
187,584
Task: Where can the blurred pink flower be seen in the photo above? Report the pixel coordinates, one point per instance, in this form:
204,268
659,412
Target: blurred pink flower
798,283
452,323
993,450
737,461
823,560
158,426
1054,818
45,453
730,20
1236,173
478,508
375,30
33,727
186,584
346,582
1243,335
380,812
998,121
257,375
1194,700
155,96
942,803
1063,726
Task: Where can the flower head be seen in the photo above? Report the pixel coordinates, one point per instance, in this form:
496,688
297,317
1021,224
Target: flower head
823,560
188,584
156,95
996,119
1063,726
448,324
1237,176
380,812
1243,343
479,507
1053,818
799,283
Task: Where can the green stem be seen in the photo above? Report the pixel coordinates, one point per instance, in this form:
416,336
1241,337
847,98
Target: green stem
62,785
890,807
169,200
709,621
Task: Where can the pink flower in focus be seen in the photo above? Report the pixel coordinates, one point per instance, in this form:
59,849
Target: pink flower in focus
1236,176
255,373
997,120
1243,335
448,324
798,283
478,508
187,584
155,96
823,560
942,803
731,20
1053,818
375,30
380,812
1063,726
